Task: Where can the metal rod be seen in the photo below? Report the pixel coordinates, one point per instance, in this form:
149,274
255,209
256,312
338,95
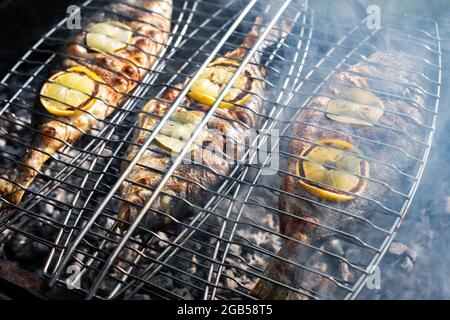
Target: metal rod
147,143
234,194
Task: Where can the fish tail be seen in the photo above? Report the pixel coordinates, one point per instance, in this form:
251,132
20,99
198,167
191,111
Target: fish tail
15,182
282,273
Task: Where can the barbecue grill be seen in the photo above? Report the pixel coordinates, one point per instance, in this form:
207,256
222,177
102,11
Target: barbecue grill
70,212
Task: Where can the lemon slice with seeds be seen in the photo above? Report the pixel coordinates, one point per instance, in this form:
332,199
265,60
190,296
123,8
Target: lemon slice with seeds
207,88
70,92
355,106
333,171
109,37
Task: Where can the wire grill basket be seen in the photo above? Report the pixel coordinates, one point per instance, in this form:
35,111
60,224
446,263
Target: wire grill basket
222,249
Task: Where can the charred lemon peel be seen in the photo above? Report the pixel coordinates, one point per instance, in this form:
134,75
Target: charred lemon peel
109,37
332,169
70,92
207,88
355,106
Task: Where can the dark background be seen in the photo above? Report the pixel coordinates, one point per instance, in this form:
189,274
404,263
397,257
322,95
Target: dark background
23,22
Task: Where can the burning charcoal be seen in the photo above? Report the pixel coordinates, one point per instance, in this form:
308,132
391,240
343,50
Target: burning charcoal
109,223
63,196
269,221
21,248
141,297
197,247
152,253
397,249
162,282
412,254
256,261
48,172
4,236
186,278
233,261
235,249
246,282
335,246
183,293
229,279
346,273
193,268
163,240
46,208
354,256
407,264
400,249
107,153
320,266
85,165
184,264
3,239
260,239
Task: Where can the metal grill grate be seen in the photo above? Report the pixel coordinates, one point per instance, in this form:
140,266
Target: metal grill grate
222,250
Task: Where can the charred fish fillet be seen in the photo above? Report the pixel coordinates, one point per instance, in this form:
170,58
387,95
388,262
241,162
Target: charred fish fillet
105,65
371,111
229,129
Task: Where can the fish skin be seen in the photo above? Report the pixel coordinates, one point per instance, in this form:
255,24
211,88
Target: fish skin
119,73
305,231
148,170
191,182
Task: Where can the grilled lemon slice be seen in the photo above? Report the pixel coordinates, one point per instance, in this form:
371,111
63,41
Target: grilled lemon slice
333,170
178,130
355,106
109,37
114,29
208,86
170,144
187,117
69,92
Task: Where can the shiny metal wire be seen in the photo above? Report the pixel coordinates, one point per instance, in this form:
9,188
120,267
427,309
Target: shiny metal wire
125,265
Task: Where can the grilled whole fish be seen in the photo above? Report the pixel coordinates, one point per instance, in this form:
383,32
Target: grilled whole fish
304,224
228,129
119,73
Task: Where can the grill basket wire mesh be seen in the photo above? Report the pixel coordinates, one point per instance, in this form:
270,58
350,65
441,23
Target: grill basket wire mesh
76,172
222,251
